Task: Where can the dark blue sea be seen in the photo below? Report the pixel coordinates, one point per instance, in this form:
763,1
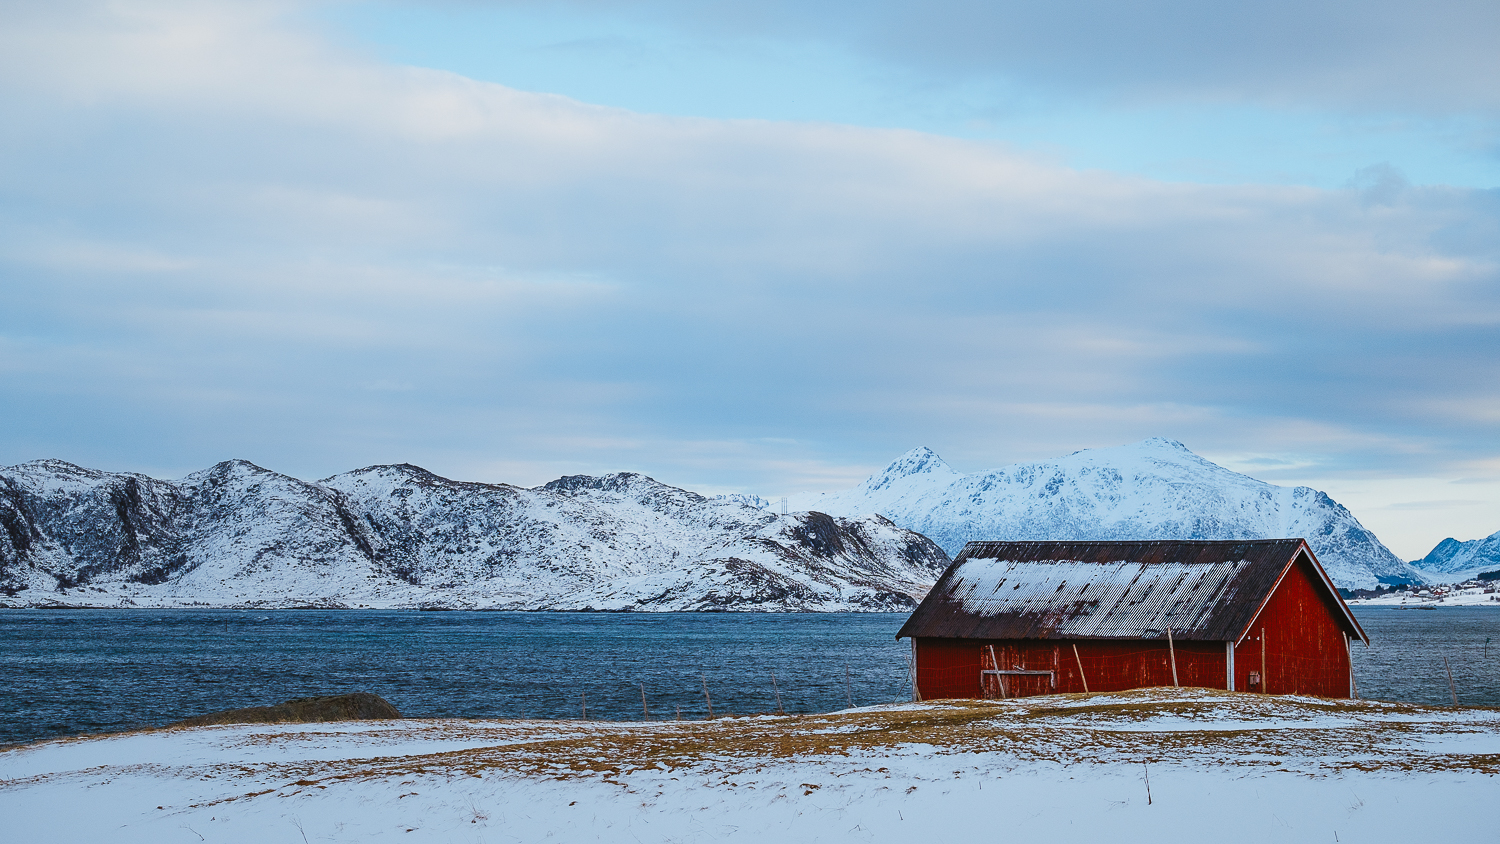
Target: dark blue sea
65,672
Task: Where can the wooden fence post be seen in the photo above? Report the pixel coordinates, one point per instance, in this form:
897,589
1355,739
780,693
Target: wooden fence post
1353,686
916,692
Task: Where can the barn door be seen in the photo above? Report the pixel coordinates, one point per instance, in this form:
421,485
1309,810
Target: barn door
1002,675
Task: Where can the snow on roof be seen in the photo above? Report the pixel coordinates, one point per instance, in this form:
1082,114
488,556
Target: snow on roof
1203,591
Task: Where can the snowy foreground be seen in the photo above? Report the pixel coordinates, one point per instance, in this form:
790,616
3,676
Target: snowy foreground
1221,766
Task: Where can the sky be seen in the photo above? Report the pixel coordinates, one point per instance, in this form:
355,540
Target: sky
759,247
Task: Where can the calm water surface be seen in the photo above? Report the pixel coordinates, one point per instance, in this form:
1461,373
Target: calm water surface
70,671
64,672
1407,648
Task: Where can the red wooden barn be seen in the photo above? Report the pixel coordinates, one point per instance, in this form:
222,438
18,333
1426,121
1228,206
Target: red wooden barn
1011,619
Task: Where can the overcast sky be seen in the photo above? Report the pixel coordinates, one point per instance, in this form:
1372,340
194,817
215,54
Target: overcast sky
759,247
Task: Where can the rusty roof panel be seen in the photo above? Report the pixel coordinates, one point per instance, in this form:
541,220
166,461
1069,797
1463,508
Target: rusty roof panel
1205,591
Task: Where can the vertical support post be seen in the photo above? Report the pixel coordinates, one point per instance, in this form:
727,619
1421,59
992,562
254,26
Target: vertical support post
1172,651
706,698
1349,649
995,664
1080,668
1229,665
916,692
645,713
1265,680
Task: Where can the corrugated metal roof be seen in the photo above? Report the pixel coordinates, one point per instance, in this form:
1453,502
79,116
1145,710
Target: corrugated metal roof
1205,591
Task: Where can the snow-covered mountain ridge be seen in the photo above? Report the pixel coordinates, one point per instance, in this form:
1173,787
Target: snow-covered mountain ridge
399,536
1452,560
1156,489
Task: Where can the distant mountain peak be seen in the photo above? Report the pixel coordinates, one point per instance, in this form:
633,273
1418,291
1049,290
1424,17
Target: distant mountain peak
1155,447
614,482
1152,489
919,461
238,465
1454,559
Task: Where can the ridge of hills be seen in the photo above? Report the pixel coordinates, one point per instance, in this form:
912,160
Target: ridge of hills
1455,560
238,535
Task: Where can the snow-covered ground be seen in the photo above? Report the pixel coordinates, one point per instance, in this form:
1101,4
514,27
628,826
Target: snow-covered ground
1221,767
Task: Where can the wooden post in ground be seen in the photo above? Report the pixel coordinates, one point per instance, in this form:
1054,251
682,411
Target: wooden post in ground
646,713
1353,686
1080,668
777,689
1000,678
1451,689
706,698
1264,680
916,693
847,690
1172,651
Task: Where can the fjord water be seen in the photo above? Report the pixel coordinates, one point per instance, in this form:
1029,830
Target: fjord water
73,671
64,672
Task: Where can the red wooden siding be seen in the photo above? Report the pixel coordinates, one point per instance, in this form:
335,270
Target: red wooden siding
1305,650
949,668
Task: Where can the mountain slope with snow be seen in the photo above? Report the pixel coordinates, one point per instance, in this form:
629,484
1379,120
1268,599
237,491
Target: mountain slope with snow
1452,560
399,536
1156,489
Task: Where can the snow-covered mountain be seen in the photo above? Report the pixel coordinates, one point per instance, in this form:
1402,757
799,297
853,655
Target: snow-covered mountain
1155,489
399,536
1452,560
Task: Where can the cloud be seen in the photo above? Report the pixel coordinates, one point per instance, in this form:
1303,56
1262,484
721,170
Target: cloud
224,237
1399,55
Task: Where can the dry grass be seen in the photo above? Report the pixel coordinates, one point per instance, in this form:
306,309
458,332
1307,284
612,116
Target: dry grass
1253,733
1302,735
